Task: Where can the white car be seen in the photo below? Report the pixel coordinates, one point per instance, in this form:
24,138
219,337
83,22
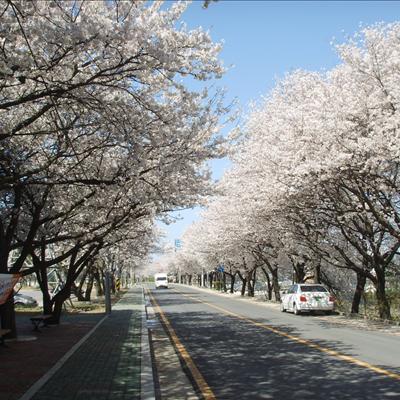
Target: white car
305,297
23,300
161,281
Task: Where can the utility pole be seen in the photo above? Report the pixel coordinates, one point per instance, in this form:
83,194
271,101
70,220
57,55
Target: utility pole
107,291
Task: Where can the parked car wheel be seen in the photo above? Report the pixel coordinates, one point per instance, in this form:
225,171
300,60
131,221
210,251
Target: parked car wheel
296,310
283,309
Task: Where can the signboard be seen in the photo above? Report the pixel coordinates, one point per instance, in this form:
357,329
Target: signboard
7,283
220,268
178,243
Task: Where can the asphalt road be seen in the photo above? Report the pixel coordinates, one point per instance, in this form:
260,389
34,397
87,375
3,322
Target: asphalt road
243,350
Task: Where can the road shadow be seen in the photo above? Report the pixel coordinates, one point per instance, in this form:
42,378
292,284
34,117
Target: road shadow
242,361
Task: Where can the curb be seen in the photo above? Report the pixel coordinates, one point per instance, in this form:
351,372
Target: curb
147,391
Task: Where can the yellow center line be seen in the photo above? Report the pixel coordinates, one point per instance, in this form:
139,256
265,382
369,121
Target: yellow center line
196,374
297,339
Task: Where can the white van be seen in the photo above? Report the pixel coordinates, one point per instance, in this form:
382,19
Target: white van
161,280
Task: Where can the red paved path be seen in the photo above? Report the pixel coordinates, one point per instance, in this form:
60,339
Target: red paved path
22,363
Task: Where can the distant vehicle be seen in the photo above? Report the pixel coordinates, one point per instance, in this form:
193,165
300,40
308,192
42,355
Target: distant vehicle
24,300
304,297
161,280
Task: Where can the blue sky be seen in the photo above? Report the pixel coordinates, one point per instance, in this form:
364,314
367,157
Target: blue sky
264,40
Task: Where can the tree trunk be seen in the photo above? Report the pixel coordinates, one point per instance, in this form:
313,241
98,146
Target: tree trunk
41,276
211,276
317,272
89,287
383,303
113,289
275,283
273,269
77,291
269,285
299,272
58,301
57,311
243,291
251,283
99,284
355,305
232,288
7,313
76,266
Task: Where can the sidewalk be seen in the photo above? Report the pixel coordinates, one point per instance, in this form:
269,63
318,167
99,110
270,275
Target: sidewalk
107,365
26,360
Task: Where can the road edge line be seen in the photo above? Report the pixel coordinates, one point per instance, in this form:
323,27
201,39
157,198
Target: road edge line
198,378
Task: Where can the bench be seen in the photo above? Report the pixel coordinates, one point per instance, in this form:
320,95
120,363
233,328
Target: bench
40,320
3,332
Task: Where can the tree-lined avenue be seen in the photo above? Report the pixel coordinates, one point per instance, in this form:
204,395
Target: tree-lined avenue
244,350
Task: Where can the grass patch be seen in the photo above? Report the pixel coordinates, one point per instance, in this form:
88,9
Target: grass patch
369,307
73,306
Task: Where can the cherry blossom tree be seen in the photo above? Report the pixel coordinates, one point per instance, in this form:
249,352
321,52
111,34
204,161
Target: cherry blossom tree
315,177
99,127
348,113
